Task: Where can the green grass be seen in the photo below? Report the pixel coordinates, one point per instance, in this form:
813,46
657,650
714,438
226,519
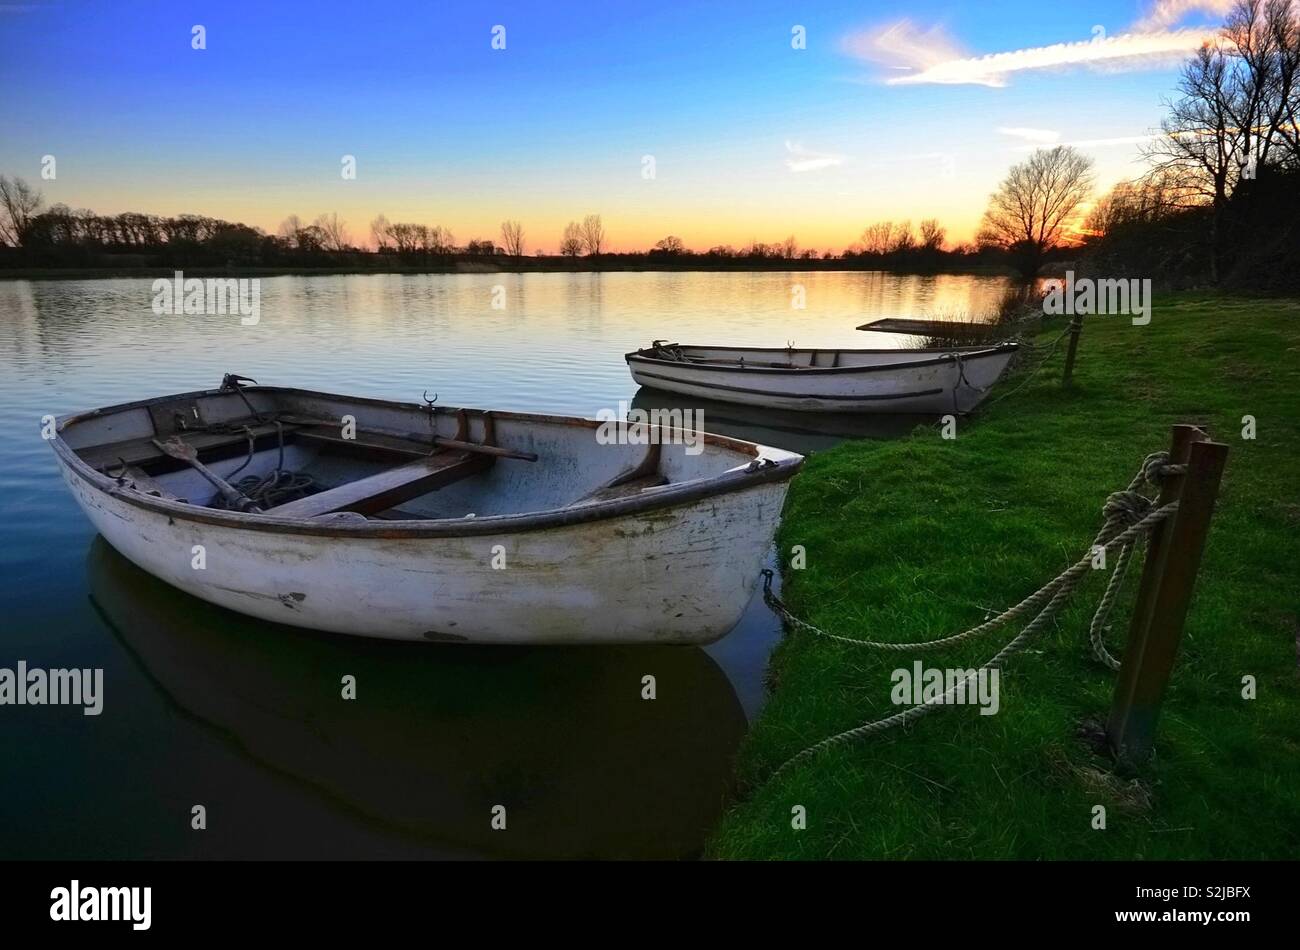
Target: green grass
912,539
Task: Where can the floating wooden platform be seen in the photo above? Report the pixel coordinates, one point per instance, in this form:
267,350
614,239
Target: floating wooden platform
917,327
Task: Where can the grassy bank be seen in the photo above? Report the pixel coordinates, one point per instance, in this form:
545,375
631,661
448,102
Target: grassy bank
911,539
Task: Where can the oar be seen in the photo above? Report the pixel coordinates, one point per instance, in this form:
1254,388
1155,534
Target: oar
183,451
438,441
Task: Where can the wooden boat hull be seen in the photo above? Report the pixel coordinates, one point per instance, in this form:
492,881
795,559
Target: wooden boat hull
892,381
676,566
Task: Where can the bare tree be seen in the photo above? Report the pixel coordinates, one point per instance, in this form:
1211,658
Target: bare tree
512,238
379,232
1029,212
1237,110
932,235
877,238
1284,117
1264,44
311,238
405,237
441,240
334,232
19,203
1201,142
593,234
289,229
1154,197
789,248
902,239
571,243
886,237
670,245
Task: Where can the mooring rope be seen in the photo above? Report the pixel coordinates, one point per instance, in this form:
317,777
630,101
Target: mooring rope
1051,349
1130,515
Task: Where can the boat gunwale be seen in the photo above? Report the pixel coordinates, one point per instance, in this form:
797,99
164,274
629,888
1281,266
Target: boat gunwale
779,394
942,355
782,468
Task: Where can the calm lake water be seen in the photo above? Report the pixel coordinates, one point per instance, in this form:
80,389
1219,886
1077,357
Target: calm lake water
203,706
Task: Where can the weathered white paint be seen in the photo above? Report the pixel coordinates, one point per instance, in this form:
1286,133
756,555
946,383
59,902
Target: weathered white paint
897,381
679,573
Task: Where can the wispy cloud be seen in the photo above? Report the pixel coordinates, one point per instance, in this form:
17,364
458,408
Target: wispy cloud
916,55
903,44
1036,136
1165,13
1098,143
800,159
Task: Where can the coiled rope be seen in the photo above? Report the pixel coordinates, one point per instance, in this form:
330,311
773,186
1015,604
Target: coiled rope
1129,516
279,486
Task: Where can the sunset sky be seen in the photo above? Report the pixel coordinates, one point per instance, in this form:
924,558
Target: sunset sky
894,110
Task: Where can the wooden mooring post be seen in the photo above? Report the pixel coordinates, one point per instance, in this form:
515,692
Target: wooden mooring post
1075,327
1165,593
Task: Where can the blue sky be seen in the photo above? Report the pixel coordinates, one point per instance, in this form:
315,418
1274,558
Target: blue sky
752,139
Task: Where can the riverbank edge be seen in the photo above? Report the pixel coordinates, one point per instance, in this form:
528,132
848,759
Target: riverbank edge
949,530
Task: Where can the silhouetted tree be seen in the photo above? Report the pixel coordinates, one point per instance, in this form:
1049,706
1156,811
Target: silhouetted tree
932,235
1031,208
441,240
289,229
512,238
877,238
1237,111
19,203
593,234
334,233
379,232
571,243
310,239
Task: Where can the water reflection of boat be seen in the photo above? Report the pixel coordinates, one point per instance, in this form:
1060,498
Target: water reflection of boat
560,736
794,431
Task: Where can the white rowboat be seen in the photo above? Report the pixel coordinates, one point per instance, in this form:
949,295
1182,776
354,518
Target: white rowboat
952,379
430,523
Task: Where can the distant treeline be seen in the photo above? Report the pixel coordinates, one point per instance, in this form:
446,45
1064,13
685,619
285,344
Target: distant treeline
61,238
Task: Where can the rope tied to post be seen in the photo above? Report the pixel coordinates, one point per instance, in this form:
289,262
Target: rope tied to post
1129,516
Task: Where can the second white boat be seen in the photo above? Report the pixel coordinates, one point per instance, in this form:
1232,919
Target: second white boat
953,379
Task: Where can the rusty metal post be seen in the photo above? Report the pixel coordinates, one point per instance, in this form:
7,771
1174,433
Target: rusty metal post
1076,325
1168,576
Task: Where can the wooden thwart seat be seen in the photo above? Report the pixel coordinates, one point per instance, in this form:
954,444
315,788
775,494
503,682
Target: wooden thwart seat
632,486
644,474
137,478
389,488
